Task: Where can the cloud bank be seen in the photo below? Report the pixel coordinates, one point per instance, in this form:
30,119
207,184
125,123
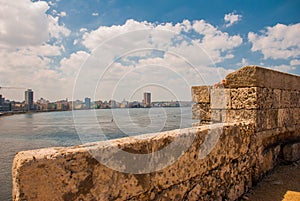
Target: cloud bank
38,51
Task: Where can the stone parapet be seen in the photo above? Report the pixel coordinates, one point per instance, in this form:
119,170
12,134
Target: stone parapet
75,173
248,94
255,76
270,100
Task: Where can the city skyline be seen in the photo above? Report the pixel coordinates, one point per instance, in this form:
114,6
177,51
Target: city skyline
29,99
115,50
43,105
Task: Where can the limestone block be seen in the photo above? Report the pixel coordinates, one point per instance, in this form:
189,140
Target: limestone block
260,121
285,117
269,159
277,98
266,119
220,98
201,94
285,99
201,111
296,115
291,152
240,115
265,98
295,99
244,98
272,118
236,191
216,115
261,77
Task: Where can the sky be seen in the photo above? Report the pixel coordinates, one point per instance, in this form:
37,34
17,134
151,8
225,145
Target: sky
117,49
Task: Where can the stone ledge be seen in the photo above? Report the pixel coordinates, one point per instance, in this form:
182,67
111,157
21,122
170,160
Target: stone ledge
255,76
73,174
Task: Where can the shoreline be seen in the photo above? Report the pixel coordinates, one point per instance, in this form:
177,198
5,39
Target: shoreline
10,113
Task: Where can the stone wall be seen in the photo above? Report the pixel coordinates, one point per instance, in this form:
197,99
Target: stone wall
269,99
246,126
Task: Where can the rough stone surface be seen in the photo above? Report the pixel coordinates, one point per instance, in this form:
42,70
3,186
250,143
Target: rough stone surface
291,152
73,174
201,94
244,98
255,76
201,111
220,98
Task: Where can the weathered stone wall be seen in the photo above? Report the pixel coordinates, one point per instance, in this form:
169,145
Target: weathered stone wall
73,174
247,126
267,98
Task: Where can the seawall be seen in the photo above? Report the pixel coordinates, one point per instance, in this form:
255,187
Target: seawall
247,125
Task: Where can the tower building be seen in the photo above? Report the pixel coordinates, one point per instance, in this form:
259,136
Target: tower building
29,99
147,99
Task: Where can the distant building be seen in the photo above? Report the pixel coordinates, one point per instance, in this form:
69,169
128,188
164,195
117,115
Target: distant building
51,106
29,99
134,104
124,104
112,104
5,105
1,102
87,102
42,104
62,105
147,99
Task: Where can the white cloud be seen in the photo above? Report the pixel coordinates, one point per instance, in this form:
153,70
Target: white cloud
283,68
75,42
55,29
95,14
22,23
29,70
215,42
94,38
277,42
232,18
295,62
25,23
71,66
244,62
51,3
83,30
62,14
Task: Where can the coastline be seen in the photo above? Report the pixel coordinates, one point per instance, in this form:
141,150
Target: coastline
10,113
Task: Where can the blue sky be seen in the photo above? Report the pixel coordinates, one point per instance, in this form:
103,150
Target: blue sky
50,46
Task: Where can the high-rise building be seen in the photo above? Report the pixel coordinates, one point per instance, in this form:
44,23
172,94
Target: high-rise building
1,102
29,99
87,102
147,99
112,104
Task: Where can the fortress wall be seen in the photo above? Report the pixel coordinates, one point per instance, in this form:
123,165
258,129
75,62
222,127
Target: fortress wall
269,99
244,129
74,174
